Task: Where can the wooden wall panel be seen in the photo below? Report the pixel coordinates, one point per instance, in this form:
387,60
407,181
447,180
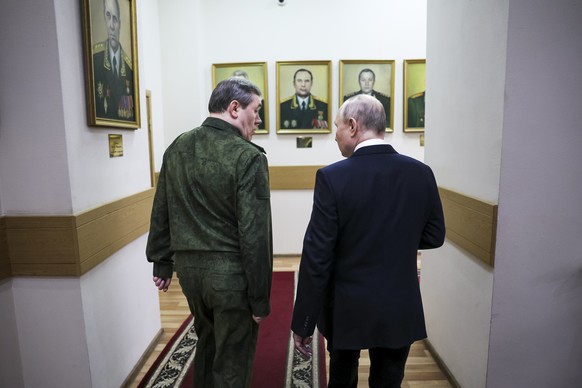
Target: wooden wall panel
471,224
4,258
71,245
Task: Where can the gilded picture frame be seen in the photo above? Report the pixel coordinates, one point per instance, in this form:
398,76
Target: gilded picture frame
300,82
256,72
414,93
374,77
111,63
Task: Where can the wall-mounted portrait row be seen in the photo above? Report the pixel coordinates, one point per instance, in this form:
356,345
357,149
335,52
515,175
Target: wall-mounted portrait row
304,91
304,88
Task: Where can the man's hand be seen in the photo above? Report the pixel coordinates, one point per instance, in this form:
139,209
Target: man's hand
303,345
162,284
258,320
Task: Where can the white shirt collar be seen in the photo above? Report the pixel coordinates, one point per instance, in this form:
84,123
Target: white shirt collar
301,99
369,142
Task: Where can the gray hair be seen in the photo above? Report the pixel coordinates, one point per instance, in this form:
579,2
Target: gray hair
366,110
240,73
233,88
116,6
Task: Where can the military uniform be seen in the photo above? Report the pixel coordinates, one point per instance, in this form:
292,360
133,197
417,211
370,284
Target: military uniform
211,219
262,115
384,100
313,117
113,93
416,110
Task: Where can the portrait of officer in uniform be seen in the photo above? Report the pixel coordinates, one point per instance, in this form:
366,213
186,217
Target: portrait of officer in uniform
303,110
256,72
416,110
367,79
414,94
370,77
113,70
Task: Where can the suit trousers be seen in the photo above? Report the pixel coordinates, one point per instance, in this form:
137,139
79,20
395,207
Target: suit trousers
216,291
386,367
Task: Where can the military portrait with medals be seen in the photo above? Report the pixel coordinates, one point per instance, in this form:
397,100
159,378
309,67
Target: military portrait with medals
301,110
112,90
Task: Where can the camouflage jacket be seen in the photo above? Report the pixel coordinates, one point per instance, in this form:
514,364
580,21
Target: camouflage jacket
213,196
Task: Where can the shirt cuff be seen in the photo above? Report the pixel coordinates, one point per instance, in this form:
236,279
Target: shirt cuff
163,270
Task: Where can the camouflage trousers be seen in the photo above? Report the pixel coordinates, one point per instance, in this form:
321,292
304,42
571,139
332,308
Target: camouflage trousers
216,289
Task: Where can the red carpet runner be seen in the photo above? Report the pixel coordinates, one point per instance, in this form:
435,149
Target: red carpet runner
276,364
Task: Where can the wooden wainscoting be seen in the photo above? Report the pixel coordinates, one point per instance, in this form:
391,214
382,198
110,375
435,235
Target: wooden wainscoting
71,245
4,259
471,223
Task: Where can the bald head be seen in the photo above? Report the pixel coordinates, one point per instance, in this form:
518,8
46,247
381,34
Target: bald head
367,111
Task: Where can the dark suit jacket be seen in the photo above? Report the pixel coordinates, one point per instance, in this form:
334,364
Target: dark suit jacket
358,274
314,117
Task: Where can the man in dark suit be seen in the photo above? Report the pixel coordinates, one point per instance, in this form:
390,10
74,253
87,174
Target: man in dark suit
358,273
303,110
367,79
113,73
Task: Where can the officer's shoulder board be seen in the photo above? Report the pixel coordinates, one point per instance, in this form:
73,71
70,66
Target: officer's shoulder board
417,95
127,60
287,99
99,47
319,99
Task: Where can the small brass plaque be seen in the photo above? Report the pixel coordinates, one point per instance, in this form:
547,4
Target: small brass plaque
115,146
422,140
304,142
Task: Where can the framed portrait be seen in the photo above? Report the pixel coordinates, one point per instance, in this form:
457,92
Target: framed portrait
111,66
256,72
414,90
373,77
303,95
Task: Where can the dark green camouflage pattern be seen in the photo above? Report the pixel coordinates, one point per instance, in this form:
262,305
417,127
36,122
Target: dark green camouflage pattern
213,197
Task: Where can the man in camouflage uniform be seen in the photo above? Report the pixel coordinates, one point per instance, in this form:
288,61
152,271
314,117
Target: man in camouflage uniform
211,220
112,68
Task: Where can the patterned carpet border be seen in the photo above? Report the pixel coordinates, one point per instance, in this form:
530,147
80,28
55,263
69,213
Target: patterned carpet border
174,366
303,373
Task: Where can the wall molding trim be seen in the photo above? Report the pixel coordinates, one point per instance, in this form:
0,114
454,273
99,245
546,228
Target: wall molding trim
471,223
71,245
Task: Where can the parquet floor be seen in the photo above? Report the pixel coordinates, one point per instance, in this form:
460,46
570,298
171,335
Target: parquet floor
421,368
